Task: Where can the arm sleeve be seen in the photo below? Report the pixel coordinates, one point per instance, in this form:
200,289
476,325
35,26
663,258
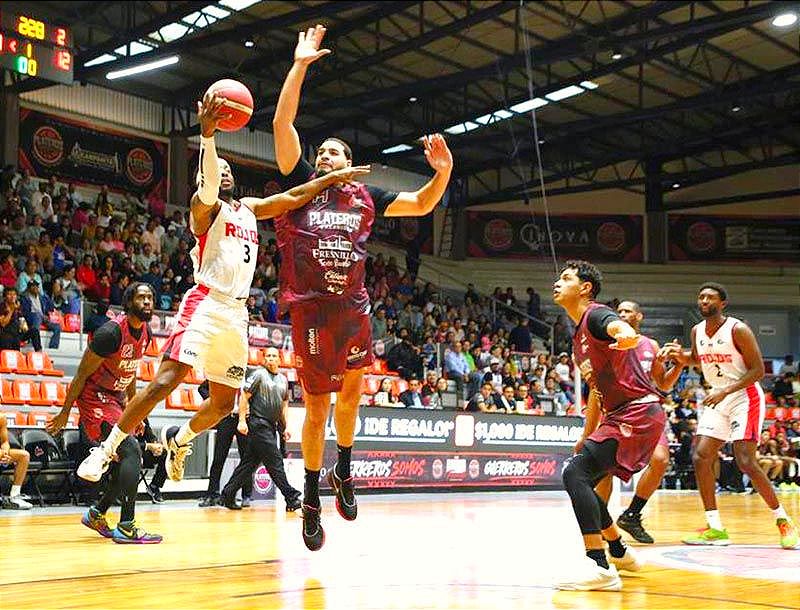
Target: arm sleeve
598,321
208,177
106,339
382,199
299,175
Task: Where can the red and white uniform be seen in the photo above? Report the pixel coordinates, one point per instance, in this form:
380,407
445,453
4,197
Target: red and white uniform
740,415
211,331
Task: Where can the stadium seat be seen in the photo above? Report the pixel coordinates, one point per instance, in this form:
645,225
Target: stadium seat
72,323
7,394
156,345
769,413
287,358
178,399
56,317
195,400
399,386
28,392
53,391
194,377
794,413
71,446
51,465
146,370
15,418
371,385
38,418
41,363
255,356
12,361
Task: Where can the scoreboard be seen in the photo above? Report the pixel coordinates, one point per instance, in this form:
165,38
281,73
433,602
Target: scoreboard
35,48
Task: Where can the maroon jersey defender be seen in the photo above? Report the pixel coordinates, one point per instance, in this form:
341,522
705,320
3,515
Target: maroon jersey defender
104,394
323,251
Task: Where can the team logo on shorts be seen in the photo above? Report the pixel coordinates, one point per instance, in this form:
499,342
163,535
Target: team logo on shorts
626,430
235,372
356,354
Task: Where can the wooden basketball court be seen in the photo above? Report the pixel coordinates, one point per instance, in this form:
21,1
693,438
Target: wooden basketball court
481,550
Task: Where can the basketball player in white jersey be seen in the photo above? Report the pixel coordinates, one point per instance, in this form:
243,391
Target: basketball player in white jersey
727,351
211,331
647,351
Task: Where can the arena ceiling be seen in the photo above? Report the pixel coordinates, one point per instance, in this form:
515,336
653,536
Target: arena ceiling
626,92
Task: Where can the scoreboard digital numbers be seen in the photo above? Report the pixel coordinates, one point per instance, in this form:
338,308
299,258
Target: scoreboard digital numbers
35,48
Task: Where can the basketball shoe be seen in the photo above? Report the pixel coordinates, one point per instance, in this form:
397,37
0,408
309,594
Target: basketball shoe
127,532
95,520
709,537
628,562
632,523
589,576
95,464
176,454
789,537
313,534
345,495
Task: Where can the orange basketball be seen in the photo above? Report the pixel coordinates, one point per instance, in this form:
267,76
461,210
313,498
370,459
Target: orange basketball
238,103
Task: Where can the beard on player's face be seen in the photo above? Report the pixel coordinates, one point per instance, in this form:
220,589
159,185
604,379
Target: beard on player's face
709,310
143,314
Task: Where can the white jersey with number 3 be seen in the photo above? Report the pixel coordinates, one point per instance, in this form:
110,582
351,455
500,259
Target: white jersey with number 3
225,256
720,359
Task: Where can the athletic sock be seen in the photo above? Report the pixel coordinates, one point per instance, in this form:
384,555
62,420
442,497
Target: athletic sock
185,434
16,490
780,512
343,462
311,488
115,437
637,504
616,547
713,519
599,557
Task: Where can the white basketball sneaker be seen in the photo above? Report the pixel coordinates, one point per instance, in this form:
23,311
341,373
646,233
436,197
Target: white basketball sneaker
589,576
176,454
93,467
628,562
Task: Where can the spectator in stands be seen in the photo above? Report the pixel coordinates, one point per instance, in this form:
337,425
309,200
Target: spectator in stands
8,272
495,375
429,387
44,249
169,241
20,458
385,397
436,399
153,456
558,395
783,387
29,274
457,368
379,328
87,277
482,400
524,399
62,255
42,202
26,189
412,397
167,295
788,366
520,338
36,307
33,232
506,402
13,328
768,457
404,357
563,368
153,277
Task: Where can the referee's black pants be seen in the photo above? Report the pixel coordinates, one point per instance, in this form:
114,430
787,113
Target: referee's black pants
226,430
262,448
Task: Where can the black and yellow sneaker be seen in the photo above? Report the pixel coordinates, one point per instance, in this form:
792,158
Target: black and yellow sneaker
632,523
313,534
345,495
127,532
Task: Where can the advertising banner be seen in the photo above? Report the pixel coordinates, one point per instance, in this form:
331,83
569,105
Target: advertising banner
734,238
87,154
417,448
522,235
405,232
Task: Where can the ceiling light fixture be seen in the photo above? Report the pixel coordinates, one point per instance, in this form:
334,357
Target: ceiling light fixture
676,185
412,99
249,43
615,55
152,65
784,20
736,108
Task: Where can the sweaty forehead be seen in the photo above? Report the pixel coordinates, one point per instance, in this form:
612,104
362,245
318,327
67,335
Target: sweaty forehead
331,145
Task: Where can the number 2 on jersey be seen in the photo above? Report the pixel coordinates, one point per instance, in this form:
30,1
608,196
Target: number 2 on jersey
719,370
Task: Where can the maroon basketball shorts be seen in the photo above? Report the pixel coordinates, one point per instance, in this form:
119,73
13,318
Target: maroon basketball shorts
330,336
637,427
96,406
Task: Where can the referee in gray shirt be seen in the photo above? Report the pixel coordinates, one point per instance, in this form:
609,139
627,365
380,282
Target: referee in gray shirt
262,416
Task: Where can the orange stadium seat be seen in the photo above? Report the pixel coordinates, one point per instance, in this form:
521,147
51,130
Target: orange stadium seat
780,413
370,385
194,377
28,392
287,359
72,323
255,356
178,399
195,400
769,413
156,345
146,370
38,418
54,392
12,361
15,418
7,394
41,363
399,386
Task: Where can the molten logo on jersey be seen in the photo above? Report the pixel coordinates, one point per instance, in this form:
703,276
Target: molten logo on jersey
313,341
232,230
716,358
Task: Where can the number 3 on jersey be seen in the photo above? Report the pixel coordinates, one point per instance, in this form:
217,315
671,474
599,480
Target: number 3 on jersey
247,255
